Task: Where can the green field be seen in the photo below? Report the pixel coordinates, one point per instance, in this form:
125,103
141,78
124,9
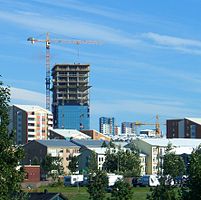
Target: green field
74,193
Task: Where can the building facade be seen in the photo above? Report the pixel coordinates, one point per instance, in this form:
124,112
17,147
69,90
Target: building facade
70,104
107,125
55,148
30,122
87,153
95,135
154,149
127,128
184,128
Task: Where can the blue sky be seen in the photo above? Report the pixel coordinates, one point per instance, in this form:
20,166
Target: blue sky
148,62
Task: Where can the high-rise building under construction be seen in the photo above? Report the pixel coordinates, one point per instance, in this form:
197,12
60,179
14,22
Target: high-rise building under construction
70,104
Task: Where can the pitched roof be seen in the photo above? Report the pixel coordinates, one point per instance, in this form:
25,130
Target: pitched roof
88,143
178,142
196,120
99,150
45,196
71,133
32,108
57,143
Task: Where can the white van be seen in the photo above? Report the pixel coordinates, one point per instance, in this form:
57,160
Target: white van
73,179
112,178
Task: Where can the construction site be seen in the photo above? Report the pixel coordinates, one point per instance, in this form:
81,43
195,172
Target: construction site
69,86
70,93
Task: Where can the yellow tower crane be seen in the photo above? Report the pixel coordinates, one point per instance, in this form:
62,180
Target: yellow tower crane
47,42
156,124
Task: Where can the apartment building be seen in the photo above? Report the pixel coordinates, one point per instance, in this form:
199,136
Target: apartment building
127,128
86,154
184,128
30,122
71,96
107,125
100,152
95,135
154,149
55,148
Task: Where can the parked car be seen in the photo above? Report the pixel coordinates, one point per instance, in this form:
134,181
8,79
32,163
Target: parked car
146,180
136,181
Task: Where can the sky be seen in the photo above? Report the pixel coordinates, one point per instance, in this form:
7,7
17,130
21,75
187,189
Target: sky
147,62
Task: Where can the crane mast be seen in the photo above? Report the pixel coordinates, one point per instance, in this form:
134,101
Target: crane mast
47,80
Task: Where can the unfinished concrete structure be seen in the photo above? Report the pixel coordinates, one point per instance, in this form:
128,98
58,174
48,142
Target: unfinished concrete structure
70,104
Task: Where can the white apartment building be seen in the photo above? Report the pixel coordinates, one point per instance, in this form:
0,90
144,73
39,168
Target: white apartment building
30,122
154,149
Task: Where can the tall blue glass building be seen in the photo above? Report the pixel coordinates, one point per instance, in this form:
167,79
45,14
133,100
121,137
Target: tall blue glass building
70,104
73,117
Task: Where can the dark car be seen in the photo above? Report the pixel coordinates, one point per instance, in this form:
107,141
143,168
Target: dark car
137,181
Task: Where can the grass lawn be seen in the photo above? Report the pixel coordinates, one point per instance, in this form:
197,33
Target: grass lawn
74,193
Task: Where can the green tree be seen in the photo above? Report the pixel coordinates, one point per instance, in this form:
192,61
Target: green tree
10,155
195,174
121,191
35,161
129,163
104,144
92,164
173,165
98,183
111,144
165,191
122,162
52,166
111,161
73,164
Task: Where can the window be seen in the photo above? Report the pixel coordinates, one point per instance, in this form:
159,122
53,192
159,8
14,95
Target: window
193,131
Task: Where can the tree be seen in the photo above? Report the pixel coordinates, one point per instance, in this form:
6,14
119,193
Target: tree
73,164
122,162
52,166
129,163
35,161
173,165
121,191
195,174
10,155
98,183
104,144
111,161
92,164
111,144
165,192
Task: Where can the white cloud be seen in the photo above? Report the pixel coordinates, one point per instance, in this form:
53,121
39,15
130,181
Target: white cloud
88,8
171,41
23,96
60,26
141,107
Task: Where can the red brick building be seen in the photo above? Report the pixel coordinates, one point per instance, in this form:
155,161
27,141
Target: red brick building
184,128
32,173
95,135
